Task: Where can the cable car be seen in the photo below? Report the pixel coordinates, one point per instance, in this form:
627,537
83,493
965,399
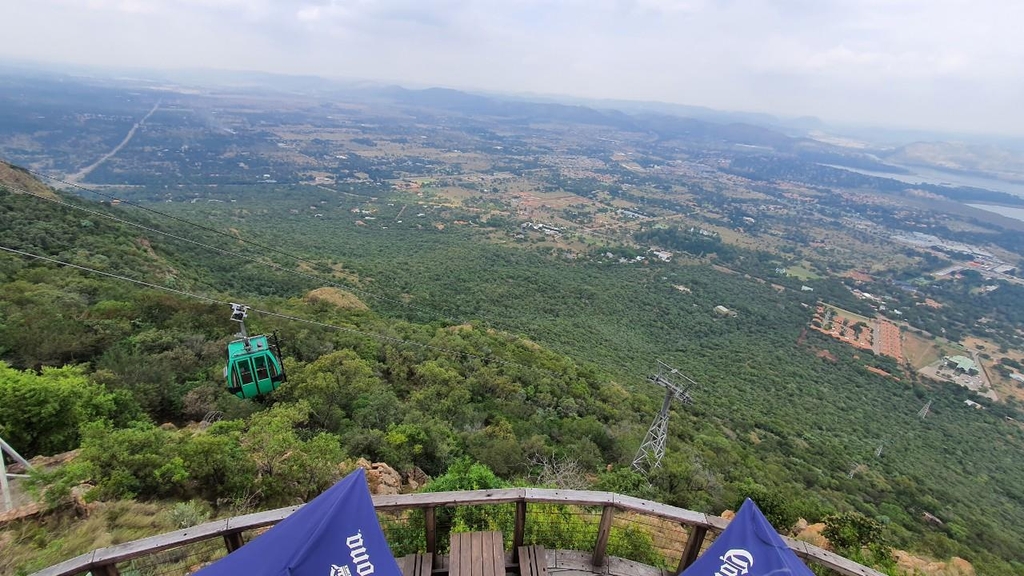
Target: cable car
254,364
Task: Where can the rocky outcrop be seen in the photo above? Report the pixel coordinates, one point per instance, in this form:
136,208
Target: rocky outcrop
383,479
20,512
45,462
911,564
811,533
82,506
416,479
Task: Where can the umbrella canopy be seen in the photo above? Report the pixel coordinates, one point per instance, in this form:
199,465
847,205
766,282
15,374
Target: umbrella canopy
336,534
749,546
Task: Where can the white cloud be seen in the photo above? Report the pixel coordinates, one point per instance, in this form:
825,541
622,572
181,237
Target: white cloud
955,64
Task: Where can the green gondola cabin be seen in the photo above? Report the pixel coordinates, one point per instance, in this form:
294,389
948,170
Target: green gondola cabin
254,366
253,369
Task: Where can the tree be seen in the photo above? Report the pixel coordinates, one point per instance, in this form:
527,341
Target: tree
775,507
138,461
288,468
860,538
41,413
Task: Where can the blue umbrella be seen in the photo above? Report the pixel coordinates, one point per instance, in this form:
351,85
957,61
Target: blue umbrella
749,546
335,534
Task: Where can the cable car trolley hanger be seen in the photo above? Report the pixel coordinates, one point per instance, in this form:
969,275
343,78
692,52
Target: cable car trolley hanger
254,364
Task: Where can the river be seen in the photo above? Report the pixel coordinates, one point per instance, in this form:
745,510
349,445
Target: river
929,176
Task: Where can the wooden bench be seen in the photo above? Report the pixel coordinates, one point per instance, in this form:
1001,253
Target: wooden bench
417,564
477,554
533,561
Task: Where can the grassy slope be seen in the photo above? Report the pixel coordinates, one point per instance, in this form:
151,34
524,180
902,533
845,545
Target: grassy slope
812,418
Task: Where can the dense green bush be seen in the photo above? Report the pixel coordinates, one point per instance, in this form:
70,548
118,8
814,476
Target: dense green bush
42,413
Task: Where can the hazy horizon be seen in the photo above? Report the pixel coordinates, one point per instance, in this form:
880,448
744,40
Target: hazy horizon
940,66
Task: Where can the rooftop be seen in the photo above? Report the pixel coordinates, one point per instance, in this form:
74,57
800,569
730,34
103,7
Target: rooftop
962,363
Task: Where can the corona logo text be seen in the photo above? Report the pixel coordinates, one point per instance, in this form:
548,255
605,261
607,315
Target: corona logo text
735,562
360,557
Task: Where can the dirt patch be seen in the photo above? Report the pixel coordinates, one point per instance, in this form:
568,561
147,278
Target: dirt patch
336,297
859,276
881,372
144,242
921,351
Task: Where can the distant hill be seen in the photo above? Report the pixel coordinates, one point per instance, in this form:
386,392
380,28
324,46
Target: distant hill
662,124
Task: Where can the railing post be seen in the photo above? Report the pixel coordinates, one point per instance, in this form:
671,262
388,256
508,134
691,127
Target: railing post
106,570
693,544
233,541
520,528
603,531
430,523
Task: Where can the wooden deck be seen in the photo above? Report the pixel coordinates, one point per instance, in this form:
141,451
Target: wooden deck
477,554
560,562
107,561
570,563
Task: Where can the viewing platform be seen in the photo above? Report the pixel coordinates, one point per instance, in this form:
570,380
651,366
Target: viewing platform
524,531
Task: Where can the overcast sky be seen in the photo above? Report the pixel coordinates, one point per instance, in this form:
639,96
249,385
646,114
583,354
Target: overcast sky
937,64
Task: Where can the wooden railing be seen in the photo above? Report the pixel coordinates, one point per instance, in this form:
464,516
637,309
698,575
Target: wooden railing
104,560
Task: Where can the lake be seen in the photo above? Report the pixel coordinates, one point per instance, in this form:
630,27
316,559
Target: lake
1015,213
918,175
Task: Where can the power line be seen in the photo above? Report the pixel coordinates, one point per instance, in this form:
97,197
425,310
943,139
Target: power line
261,246
229,252
394,339
253,243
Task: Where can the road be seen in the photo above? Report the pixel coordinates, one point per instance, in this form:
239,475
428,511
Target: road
77,177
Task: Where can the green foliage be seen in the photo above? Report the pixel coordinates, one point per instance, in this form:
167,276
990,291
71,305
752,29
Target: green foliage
42,413
625,480
465,474
849,531
189,514
289,468
265,460
128,462
776,508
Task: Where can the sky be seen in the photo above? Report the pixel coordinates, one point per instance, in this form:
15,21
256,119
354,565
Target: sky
948,65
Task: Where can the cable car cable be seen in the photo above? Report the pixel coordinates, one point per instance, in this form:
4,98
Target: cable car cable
253,259
259,245
378,336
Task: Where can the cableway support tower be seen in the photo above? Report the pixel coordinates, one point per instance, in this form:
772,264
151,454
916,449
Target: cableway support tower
652,449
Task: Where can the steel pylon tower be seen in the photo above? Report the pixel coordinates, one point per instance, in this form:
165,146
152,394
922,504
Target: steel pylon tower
652,449
923,412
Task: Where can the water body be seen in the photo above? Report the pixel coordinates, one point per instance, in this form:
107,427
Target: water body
1015,213
928,176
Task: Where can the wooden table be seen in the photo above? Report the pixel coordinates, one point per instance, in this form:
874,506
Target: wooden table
477,554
